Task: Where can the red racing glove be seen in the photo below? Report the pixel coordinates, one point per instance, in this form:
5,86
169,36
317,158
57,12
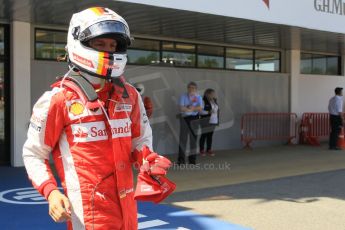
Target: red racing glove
151,162
154,164
153,188
152,185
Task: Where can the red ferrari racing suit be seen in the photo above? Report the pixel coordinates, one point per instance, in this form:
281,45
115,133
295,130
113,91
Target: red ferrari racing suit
92,155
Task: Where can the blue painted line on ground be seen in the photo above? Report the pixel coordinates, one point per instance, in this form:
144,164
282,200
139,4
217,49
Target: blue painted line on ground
16,214
177,217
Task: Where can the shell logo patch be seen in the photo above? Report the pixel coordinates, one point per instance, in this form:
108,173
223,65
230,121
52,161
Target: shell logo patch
76,108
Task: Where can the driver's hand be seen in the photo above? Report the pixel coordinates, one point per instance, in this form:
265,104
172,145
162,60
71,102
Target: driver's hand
59,206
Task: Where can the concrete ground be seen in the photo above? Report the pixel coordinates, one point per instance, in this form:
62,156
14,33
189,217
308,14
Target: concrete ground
283,187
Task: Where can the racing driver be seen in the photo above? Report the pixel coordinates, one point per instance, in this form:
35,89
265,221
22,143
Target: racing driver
93,124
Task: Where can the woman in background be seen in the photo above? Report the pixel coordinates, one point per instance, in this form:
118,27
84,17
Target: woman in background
209,120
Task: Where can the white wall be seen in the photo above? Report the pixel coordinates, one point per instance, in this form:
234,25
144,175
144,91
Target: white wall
43,74
308,93
20,85
314,92
238,92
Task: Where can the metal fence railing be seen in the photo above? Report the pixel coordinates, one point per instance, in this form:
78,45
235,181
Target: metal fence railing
268,126
313,127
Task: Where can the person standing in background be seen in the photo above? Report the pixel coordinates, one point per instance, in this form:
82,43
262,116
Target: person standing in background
335,108
190,105
209,120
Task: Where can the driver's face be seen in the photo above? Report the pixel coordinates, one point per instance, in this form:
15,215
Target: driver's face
103,44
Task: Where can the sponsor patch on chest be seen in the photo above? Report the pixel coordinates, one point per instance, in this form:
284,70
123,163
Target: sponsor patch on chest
123,107
120,128
97,131
88,132
76,110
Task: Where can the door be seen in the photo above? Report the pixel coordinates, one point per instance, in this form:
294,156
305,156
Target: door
4,96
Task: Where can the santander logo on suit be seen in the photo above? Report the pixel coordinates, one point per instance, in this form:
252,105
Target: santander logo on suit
96,131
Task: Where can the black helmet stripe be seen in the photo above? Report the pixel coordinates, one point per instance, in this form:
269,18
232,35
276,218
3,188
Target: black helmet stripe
110,66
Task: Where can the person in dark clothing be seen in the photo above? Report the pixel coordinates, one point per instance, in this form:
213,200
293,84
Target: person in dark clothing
335,108
209,121
190,105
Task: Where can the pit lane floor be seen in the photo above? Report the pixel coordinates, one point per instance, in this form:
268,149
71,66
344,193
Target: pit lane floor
276,188
283,187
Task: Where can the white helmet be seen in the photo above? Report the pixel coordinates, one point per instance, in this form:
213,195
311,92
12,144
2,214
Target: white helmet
140,88
98,22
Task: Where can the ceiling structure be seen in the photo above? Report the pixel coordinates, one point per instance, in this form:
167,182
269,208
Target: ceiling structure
159,22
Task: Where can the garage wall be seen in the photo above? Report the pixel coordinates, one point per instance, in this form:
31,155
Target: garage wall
314,92
238,92
43,74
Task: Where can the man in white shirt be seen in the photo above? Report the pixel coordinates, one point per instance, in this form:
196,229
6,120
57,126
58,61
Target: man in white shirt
335,108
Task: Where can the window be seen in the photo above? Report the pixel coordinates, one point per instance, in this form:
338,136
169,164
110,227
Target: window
210,56
5,91
306,63
267,61
49,44
239,59
142,57
320,64
178,54
178,59
143,52
333,66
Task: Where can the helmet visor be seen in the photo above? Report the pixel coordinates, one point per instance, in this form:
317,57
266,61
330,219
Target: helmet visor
105,28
